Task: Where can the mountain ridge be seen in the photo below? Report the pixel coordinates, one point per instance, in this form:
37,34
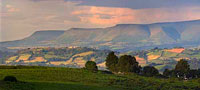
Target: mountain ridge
120,36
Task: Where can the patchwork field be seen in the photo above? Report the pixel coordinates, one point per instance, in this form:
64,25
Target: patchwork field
77,57
57,56
167,58
176,50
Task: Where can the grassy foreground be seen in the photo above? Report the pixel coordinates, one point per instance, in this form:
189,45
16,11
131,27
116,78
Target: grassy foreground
52,78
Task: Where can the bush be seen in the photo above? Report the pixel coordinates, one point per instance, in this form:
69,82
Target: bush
150,71
10,79
91,66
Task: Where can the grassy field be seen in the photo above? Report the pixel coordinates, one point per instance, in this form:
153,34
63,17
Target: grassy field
52,78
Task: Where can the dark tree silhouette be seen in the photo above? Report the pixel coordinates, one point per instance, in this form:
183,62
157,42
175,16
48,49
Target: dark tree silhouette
91,66
182,68
111,62
150,71
128,63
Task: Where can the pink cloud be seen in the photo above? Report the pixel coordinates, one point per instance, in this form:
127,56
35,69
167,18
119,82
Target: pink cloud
111,16
105,15
11,8
50,17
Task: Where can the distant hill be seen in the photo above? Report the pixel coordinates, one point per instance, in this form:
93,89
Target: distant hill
122,37
39,38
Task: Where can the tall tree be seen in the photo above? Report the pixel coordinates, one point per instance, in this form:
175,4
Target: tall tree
182,68
128,63
111,62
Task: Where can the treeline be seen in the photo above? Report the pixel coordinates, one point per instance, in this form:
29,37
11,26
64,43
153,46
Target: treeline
128,64
182,70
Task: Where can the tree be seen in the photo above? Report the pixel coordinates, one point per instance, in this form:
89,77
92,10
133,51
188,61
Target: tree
91,66
166,73
111,62
128,63
182,68
150,71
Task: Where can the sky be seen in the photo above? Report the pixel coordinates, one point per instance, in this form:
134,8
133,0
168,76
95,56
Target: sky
21,18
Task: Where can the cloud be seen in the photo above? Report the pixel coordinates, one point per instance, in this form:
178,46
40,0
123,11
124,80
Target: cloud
108,16
134,4
30,16
20,18
11,9
50,17
139,4
104,15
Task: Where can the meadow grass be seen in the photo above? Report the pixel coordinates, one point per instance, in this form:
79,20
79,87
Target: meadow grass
54,78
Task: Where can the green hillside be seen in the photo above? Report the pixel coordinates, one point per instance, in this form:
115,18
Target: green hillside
46,78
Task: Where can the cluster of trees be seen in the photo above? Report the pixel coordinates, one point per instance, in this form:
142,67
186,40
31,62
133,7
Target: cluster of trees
124,64
128,64
182,70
